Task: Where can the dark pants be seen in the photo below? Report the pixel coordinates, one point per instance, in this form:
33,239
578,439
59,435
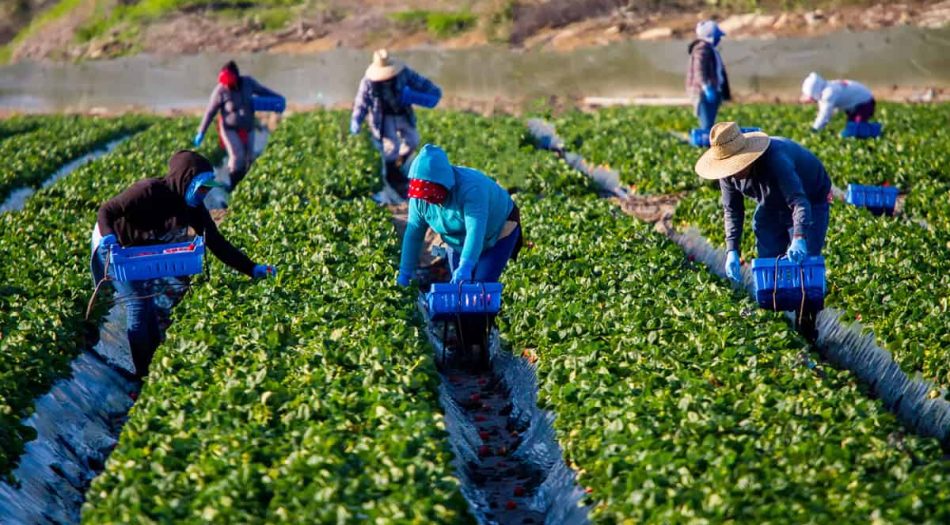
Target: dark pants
771,227
706,111
862,112
141,321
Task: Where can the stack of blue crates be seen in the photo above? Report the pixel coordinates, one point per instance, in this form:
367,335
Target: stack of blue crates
699,137
861,130
447,300
779,283
879,200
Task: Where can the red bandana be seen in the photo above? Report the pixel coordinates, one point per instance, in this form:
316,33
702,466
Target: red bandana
227,78
430,192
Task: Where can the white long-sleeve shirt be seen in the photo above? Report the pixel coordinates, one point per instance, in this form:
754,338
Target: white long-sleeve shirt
840,94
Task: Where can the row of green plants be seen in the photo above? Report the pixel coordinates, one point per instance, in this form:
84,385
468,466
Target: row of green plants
679,401
44,275
311,397
676,398
31,157
647,146
890,273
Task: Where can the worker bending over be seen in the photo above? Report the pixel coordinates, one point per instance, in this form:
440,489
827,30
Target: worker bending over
849,96
791,189
159,211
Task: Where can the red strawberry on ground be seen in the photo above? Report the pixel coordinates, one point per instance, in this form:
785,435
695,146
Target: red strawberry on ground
483,434
484,451
511,505
519,491
479,418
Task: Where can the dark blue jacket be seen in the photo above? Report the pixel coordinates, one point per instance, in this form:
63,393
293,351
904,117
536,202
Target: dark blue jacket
786,179
367,104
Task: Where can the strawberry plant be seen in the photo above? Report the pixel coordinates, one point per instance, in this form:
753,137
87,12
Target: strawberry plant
30,158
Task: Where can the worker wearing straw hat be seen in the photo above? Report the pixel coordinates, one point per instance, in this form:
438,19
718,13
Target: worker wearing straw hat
791,189
386,95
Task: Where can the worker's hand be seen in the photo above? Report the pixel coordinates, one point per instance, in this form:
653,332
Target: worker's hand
199,137
404,278
463,273
264,270
107,242
797,251
732,266
354,128
710,93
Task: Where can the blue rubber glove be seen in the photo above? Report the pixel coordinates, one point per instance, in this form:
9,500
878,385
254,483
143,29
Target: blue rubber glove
107,242
264,270
198,138
404,279
354,128
463,273
797,251
732,266
709,93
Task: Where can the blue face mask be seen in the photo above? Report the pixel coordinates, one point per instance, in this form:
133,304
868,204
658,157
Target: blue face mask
195,194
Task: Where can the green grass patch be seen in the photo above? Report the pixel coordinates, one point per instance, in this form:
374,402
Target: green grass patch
54,13
441,24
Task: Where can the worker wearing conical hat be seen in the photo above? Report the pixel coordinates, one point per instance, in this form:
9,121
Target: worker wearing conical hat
791,189
386,95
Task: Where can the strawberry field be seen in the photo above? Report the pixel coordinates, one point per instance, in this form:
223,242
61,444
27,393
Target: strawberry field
313,397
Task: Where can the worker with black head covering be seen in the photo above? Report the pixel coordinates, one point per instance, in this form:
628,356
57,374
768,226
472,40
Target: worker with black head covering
233,98
156,211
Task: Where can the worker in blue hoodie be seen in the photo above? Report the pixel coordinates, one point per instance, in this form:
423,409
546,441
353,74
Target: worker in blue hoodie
474,215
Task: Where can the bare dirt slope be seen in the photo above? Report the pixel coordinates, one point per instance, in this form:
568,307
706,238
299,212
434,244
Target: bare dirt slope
367,24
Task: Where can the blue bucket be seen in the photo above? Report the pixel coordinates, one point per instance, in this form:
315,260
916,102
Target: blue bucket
446,300
879,200
861,130
418,98
275,104
139,263
779,283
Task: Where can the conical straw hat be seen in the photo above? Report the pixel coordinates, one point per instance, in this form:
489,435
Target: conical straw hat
383,67
730,151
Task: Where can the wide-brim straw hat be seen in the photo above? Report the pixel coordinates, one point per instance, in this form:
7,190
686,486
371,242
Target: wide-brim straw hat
383,66
730,151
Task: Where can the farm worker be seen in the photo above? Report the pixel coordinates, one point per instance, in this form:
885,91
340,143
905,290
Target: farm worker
706,80
154,211
233,98
386,95
474,215
791,189
852,97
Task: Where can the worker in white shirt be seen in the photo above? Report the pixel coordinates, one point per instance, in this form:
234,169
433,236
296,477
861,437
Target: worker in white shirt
854,98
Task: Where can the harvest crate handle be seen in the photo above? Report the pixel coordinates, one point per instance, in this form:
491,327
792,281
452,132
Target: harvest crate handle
801,268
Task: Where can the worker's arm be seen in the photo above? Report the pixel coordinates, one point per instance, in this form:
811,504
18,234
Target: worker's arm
733,206
783,169
361,105
220,247
214,104
826,108
412,240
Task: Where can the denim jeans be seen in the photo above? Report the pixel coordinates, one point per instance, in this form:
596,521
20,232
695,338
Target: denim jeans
141,322
771,227
493,260
706,111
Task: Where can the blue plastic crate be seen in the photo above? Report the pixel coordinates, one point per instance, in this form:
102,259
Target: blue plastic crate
418,98
275,104
787,293
699,137
141,263
446,300
862,130
877,199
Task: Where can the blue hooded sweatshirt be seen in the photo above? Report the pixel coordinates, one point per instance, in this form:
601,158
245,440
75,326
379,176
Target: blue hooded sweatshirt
471,218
